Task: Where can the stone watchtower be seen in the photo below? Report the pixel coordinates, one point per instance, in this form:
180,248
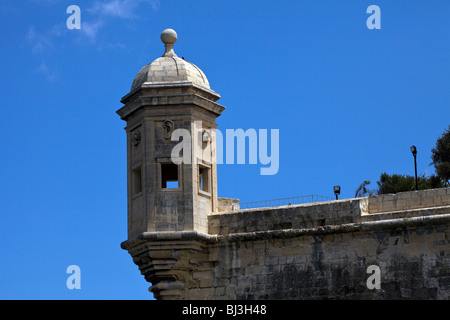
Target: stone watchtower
171,189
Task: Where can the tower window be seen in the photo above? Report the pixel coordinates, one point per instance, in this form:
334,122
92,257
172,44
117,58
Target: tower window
204,178
169,176
137,181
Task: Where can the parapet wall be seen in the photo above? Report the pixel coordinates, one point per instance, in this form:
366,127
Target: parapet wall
310,251
331,213
287,217
404,201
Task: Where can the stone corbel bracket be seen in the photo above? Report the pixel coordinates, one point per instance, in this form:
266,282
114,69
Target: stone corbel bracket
167,260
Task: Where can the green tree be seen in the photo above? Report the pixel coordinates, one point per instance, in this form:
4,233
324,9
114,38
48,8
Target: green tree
441,156
399,183
395,183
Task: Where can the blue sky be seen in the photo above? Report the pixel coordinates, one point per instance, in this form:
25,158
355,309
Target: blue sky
348,101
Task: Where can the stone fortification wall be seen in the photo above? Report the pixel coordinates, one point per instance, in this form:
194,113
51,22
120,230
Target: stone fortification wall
312,251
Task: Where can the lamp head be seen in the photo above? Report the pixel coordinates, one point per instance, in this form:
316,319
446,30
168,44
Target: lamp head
337,189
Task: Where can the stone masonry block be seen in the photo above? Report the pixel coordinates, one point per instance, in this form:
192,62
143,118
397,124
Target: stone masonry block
445,200
388,206
403,195
401,204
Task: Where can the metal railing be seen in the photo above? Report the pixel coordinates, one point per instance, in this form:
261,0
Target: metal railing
284,202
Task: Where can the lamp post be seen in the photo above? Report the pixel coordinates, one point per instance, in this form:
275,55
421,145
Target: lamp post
414,152
337,191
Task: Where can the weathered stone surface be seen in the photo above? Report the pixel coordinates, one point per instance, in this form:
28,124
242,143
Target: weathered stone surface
313,262
227,204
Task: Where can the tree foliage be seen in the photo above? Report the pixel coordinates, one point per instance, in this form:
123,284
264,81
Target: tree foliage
395,183
441,156
399,183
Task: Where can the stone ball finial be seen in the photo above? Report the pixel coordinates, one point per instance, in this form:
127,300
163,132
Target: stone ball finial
169,36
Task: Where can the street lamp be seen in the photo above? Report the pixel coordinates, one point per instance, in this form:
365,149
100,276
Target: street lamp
337,191
414,152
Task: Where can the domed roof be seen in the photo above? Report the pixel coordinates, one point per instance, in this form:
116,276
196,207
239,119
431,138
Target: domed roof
170,68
